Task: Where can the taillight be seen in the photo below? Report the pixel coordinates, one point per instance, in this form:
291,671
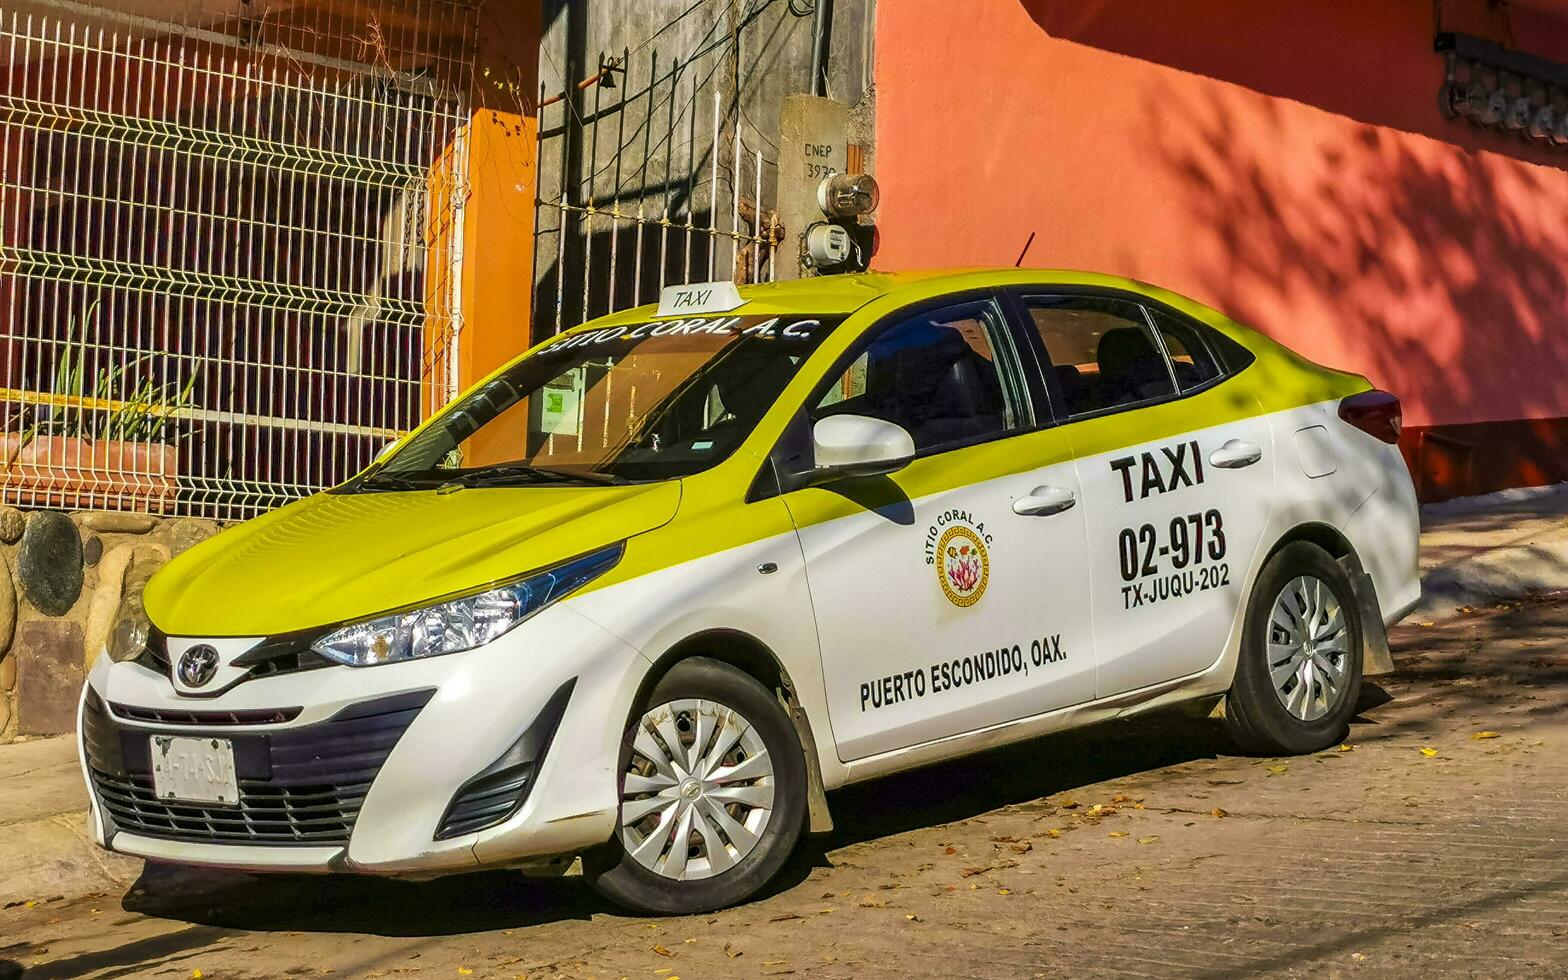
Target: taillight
1375,412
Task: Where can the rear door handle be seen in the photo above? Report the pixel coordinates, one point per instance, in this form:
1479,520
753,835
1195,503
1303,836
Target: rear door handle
1235,454
1044,501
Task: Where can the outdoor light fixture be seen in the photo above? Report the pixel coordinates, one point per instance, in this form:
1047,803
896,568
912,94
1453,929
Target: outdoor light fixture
848,195
1492,86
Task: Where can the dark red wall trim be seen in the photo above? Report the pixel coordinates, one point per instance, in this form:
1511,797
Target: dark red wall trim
1482,457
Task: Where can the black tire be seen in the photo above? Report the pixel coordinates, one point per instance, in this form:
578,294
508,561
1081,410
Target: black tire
1255,715
619,877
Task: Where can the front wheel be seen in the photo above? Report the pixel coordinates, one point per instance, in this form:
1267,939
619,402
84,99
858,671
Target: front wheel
713,794
1299,675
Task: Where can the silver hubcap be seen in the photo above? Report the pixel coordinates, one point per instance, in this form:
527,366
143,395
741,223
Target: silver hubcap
1309,648
698,792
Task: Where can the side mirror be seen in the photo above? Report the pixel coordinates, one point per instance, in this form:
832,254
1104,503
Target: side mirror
850,446
385,451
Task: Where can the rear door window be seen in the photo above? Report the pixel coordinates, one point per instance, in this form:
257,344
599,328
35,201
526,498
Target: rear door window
1101,352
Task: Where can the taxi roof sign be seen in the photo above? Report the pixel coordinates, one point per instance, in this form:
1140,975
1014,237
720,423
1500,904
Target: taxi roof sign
699,297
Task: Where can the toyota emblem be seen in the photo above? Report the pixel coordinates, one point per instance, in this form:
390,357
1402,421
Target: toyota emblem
198,665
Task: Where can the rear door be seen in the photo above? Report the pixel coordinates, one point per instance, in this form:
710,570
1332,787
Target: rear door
948,595
1177,473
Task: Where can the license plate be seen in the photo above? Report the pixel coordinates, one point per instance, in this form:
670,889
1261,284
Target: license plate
194,770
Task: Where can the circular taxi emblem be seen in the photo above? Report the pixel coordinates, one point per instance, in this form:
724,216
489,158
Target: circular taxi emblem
962,566
198,665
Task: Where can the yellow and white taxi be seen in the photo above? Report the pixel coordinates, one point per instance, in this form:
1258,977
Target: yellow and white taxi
650,591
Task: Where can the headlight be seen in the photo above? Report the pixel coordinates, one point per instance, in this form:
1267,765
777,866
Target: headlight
132,629
463,623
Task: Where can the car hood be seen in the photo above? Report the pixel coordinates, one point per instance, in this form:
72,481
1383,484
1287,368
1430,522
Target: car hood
336,557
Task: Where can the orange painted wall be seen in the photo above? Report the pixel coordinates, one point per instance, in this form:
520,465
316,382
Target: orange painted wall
1282,160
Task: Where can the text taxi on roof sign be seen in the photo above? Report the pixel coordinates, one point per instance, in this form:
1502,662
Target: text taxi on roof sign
648,591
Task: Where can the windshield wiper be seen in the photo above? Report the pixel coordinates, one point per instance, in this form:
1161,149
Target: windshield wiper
382,481
505,473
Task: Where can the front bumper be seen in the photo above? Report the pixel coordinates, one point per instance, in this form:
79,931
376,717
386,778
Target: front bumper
365,777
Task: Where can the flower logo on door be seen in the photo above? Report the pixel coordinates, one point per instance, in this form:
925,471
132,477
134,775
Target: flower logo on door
962,566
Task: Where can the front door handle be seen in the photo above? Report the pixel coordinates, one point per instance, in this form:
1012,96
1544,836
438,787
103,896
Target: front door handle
1235,454
1044,501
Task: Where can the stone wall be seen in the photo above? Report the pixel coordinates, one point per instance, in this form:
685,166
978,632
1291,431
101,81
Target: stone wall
61,577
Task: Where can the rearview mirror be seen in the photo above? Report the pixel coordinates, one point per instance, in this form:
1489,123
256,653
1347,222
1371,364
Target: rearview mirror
857,446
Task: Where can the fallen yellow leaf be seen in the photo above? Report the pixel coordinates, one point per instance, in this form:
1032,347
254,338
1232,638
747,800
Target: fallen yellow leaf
1218,812
464,971
1149,840
1117,833
1003,891
662,951
1347,748
1277,770
1481,735
195,975
1053,832
1428,751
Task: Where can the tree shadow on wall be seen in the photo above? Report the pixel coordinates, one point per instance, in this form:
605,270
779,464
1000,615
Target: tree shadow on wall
1372,63
1443,267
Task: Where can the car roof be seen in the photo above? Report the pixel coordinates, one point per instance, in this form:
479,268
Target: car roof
844,294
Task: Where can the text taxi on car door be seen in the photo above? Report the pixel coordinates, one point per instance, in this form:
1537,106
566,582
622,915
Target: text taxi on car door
648,591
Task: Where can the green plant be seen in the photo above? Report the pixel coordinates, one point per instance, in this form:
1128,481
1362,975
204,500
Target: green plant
136,410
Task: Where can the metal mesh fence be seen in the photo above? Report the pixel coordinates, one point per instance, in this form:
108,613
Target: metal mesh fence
227,250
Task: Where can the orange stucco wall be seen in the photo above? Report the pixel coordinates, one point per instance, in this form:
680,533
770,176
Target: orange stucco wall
1282,160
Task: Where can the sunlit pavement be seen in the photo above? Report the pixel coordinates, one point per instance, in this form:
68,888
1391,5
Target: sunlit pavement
1431,843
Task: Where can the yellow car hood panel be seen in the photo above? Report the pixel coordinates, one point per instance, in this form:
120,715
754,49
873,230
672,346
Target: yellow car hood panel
331,558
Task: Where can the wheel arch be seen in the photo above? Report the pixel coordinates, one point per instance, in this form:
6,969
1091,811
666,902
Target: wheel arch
756,659
1376,658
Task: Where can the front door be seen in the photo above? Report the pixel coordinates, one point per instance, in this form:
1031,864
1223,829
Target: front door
948,596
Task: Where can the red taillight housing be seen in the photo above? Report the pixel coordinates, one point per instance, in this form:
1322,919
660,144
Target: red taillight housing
1375,412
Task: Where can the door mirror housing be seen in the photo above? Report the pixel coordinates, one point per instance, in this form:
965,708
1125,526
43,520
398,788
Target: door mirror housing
385,451
848,446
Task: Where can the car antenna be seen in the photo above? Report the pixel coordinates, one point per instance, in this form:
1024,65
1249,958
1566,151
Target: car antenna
1025,251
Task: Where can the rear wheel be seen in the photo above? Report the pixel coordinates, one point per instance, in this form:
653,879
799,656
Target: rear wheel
713,791
1299,675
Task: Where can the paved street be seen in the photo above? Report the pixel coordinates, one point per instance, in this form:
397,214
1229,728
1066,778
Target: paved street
1425,845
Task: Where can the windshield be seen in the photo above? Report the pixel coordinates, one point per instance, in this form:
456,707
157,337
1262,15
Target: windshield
650,401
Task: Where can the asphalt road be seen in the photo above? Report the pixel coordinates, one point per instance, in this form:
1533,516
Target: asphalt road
1432,843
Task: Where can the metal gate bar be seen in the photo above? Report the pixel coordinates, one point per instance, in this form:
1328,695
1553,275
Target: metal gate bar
590,214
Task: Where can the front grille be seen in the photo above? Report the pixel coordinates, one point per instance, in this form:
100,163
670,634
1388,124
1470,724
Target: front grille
267,814
288,653
264,716
298,786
